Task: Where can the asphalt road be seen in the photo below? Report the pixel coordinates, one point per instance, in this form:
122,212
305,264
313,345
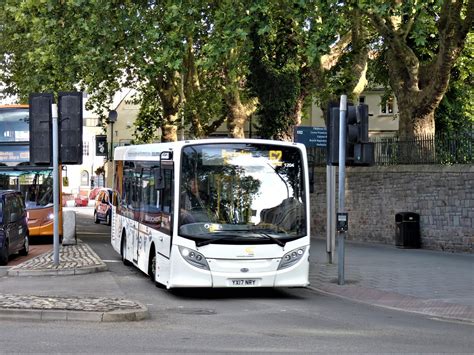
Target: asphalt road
232,321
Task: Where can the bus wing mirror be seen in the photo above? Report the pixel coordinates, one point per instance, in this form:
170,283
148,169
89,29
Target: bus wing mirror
166,158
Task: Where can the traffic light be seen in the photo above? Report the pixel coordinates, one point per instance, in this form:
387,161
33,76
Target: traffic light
40,123
359,151
70,127
332,150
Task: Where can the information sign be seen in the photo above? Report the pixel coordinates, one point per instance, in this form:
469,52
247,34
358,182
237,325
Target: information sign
311,136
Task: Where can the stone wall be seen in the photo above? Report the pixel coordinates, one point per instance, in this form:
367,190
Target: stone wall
442,195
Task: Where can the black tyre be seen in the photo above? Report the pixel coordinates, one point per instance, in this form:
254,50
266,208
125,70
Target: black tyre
122,250
96,218
4,254
152,265
26,247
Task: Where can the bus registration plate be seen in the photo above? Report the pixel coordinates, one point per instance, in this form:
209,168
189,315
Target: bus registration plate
243,282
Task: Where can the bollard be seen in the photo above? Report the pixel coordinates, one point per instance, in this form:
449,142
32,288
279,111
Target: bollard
69,228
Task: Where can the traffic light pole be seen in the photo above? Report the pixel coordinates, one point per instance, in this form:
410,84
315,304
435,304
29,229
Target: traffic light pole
331,213
55,184
342,178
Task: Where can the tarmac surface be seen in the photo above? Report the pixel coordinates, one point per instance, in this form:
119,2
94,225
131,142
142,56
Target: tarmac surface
435,284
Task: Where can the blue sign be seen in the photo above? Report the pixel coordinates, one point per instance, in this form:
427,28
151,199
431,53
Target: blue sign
311,136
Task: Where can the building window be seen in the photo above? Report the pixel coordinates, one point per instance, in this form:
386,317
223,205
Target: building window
84,178
386,105
91,122
85,148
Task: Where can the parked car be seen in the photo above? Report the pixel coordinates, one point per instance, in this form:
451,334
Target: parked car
81,199
103,205
13,225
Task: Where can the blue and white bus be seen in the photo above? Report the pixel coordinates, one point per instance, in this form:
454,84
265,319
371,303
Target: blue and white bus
214,212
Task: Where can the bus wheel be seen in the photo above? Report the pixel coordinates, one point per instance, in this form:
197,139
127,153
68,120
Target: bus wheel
26,247
4,253
152,264
122,250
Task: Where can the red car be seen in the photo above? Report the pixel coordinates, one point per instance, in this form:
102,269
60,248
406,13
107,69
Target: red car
85,196
82,199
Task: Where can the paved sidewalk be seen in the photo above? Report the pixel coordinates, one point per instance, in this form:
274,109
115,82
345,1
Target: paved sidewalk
62,302
73,260
432,283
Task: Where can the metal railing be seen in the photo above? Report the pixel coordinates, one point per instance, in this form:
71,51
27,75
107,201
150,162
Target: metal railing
441,148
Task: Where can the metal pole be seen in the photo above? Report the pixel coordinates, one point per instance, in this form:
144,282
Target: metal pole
342,178
54,110
331,212
112,141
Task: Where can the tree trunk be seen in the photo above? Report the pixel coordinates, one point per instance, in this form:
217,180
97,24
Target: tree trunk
411,124
169,133
237,115
294,119
416,133
168,88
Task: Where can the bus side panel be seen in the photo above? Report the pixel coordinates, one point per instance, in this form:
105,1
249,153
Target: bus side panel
41,222
162,269
130,231
162,242
115,230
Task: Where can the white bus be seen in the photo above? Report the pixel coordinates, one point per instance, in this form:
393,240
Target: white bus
214,212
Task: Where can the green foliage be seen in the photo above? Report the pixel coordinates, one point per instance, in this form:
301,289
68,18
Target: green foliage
289,38
186,57
149,118
456,111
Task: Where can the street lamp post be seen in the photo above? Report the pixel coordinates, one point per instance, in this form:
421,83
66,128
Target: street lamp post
112,119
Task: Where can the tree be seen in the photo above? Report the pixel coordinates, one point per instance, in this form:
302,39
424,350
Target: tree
419,79
456,111
304,50
101,47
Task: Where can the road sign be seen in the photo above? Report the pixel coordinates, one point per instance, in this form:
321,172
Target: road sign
311,136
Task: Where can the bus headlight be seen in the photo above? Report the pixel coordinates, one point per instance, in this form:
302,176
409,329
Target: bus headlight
291,258
194,258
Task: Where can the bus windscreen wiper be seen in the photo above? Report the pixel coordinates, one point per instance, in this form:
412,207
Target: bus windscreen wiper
225,235
276,240
219,237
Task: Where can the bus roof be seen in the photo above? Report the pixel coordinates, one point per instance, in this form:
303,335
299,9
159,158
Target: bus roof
152,151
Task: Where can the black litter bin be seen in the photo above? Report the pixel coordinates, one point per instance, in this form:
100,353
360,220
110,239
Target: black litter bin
407,230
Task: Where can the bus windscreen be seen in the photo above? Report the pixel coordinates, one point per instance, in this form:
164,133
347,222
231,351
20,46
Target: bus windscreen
247,190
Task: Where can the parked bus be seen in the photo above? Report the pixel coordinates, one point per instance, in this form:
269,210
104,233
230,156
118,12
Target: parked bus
16,172
214,213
